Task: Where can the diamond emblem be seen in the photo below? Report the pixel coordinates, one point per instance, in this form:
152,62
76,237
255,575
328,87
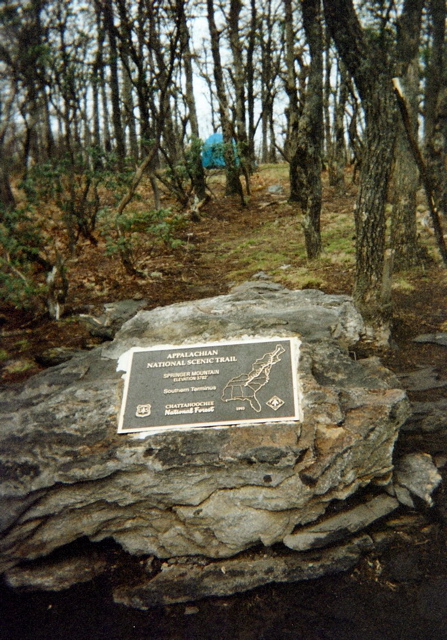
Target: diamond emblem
275,403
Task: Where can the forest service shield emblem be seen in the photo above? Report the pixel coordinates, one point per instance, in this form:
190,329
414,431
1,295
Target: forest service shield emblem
143,410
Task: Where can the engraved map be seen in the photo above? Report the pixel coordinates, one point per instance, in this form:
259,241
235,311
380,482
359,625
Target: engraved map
246,385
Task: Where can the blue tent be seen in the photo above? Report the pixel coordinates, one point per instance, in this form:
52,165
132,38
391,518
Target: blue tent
213,152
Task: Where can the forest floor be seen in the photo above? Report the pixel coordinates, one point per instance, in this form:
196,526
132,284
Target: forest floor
228,245
231,244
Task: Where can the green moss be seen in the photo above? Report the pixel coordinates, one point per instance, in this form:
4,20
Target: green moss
301,278
272,171
336,243
22,345
20,366
400,283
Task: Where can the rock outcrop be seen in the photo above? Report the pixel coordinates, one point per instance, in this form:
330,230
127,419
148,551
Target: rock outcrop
186,503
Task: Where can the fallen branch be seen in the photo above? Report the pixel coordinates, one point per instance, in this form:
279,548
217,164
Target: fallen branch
264,205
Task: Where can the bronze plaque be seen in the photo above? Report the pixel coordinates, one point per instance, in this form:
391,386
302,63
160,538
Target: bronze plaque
211,384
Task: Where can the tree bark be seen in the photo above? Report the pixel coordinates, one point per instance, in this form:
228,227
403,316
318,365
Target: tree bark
291,150
337,150
114,82
307,132
239,82
435,75
233,183
369,61
251,83
269,73
96,80
404,240
404,237
197,170
426,178
129,116
7,200
436,107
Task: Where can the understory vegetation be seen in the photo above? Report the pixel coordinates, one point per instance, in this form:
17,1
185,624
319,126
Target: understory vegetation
105,113
228,244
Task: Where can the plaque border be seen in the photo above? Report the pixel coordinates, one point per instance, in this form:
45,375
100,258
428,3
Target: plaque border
295,344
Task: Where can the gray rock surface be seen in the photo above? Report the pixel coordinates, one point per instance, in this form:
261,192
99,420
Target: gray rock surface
435,338
416,476
337,527
191,579
114,315
276,189
56,355
253,309
58,575
209,493
427,417
422,380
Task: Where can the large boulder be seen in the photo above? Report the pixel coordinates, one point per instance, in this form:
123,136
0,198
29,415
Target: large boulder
204,494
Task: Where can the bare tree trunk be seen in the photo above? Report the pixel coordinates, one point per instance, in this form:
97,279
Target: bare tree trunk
430,190
307,135
437,153
233,186
435,75
292,107
327,93
356,142
272,157
49,138
197,170
114,82
129,116
337,155
239,80
251,83
7,200
404,238
268,75
101,138
264,130
105,113
369,64
370,217
311,130
436,107
96,119
205,74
